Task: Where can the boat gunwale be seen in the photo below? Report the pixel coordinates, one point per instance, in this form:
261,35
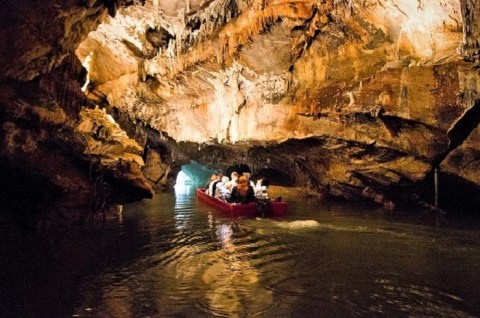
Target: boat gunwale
275,208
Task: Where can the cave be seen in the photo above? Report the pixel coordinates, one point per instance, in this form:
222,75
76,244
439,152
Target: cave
105,103
333,96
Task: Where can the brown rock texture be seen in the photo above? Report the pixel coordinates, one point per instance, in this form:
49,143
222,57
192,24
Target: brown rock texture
58,163
356,99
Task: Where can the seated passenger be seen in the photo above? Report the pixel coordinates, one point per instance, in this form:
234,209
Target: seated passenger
261,189
219,187
234,178
243,192
225,191
250,182
212,184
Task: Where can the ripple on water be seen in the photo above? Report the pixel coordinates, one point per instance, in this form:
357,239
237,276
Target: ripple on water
416,300
171,257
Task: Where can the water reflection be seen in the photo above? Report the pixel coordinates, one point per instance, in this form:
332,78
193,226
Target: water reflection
173,258
199,263
182,207
231,280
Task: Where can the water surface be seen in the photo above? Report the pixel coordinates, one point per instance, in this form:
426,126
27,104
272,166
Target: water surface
174,257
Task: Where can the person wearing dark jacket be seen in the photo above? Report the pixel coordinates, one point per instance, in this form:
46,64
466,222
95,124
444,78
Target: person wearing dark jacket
242,193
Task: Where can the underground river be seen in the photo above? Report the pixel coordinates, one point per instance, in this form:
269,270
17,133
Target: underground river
174,257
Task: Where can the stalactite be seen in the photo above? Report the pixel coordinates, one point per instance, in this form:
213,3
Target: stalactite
155,8
241,31
471,29
63,85
346,3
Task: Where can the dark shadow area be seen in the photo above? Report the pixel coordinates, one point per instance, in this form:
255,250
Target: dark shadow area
239,168
42,272
275,177
464,126
458,196
23,195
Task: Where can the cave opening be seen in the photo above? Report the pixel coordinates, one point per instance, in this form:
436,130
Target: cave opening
182,179
193,173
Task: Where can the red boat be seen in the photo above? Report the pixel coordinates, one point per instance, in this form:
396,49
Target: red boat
271,208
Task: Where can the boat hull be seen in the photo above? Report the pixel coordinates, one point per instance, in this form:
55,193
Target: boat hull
271,208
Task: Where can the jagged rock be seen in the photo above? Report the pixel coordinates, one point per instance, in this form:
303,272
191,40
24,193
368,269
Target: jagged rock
156,171
336,96
464,162
49,163
113,148
102,128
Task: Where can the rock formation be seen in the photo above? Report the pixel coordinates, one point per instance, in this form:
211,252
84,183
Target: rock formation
357,99
57,161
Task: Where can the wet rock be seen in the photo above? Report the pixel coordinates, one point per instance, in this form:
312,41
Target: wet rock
335,96
156,171
464,161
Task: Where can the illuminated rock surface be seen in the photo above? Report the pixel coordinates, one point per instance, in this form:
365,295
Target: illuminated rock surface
357,99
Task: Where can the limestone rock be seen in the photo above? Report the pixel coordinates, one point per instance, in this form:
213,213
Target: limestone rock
464,161
377,76
359,99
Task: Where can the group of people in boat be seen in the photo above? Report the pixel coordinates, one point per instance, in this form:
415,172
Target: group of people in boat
237,189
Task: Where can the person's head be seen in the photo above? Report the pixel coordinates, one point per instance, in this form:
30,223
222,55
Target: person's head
234,175
242,185
247,175
265,182
214,177
242,180
224,179
228,185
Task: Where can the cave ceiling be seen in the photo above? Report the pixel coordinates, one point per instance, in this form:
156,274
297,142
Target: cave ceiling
201,70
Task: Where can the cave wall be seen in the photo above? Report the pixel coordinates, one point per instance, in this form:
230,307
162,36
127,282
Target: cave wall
360,99
37,35
387,77
60,159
